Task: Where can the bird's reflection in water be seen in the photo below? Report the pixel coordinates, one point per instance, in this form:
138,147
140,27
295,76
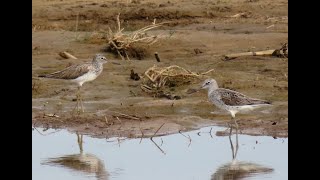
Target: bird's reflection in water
238,169
88,164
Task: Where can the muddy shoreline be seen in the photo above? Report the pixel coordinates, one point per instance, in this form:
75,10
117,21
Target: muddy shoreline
130,112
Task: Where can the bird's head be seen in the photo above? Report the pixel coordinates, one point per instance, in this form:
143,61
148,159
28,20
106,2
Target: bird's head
208,83
100,59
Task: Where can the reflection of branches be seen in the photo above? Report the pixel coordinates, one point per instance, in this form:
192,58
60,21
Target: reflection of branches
45,130
118,140
188,137
210,132
157,146
206,132
161,139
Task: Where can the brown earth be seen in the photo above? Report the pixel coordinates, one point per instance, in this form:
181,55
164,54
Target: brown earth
130,112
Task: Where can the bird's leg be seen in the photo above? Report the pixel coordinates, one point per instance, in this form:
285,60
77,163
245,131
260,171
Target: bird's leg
80,142
80,99
237,143
235,122
231,144
76,107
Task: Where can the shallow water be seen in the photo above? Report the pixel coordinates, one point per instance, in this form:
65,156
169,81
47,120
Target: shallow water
56,155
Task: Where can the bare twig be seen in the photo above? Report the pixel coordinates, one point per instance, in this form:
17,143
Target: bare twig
107,122
157,56
51,115
244,14
157,131
270,26
127,116
119,120
142,134
204,73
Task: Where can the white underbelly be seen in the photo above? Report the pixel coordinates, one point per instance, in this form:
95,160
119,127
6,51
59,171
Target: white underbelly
85,78
247,107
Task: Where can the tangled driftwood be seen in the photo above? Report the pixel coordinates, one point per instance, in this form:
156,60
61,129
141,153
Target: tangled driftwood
157,78
121,43
161,76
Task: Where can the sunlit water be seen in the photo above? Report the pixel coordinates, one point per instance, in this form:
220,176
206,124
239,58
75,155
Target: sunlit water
204,158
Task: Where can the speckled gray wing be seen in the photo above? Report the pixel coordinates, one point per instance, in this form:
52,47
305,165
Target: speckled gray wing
71,72
233,98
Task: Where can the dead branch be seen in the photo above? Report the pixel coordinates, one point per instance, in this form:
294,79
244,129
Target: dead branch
67,55
51,115
282,52
107,122
157,56
159,76
127,116
157,131
270,26
244,15
120,42
259,53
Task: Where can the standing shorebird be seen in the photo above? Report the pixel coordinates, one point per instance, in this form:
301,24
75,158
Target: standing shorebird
229,100
80,74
